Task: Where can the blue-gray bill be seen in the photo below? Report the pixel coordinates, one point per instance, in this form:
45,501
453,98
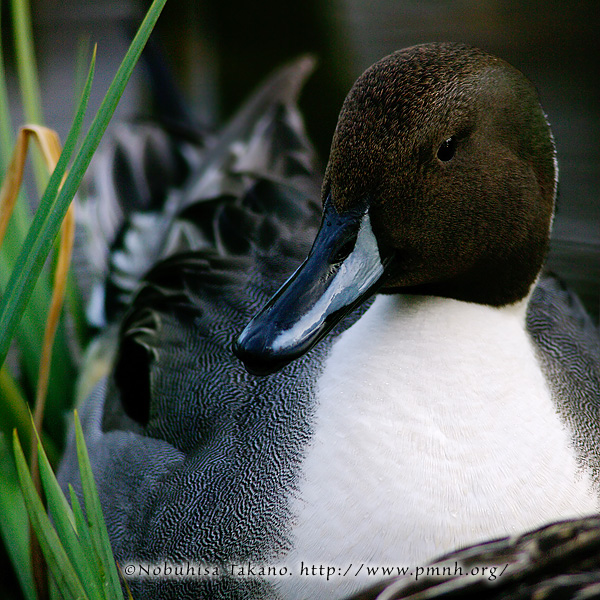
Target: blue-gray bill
343,269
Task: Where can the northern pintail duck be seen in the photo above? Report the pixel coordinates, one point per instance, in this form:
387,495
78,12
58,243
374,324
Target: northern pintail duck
459,404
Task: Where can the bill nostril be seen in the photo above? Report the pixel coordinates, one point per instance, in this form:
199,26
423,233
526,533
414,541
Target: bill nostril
344,250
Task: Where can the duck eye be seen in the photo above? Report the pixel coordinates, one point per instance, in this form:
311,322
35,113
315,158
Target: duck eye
447,149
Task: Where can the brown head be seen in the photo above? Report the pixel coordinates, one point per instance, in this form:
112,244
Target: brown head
441,181
453,150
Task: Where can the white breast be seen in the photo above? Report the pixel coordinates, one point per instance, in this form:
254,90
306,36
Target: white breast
434,428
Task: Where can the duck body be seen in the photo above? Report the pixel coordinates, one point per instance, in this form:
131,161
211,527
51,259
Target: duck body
442,412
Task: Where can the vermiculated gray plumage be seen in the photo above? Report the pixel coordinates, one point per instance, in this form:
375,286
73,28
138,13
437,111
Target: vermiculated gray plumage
193,456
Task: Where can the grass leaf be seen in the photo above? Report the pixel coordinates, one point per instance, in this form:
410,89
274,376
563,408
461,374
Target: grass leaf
99,533
51,212
59,564
70,534
30,89
26,63
15,414
6,130
83,530
14,521
14,410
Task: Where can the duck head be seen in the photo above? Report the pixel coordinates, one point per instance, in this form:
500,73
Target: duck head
441,181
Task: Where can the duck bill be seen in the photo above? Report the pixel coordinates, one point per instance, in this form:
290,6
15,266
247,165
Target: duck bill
343,269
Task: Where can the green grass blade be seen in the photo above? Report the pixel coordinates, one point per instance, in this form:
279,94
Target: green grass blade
85,563
73,299
26,62
83,530
99,533
28,79
58,562
15,414
20,218
81,63
14,410
13,520
51,214
29,336
7,138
